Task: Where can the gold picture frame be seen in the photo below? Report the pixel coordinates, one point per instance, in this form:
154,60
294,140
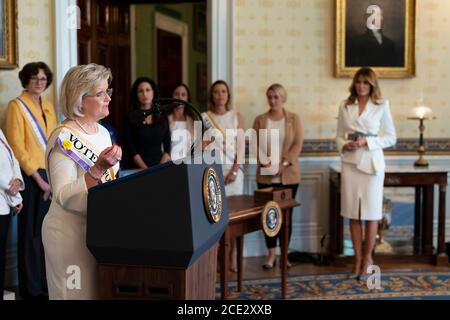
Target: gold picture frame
390,52
8,31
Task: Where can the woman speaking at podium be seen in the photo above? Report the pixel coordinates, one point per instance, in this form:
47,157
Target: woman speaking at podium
79,156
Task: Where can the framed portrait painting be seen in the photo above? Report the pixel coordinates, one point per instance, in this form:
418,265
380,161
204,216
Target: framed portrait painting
8,38
375,33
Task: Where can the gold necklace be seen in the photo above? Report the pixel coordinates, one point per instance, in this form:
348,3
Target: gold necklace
82,128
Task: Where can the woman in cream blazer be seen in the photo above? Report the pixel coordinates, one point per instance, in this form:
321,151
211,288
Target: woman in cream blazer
364,129
282,170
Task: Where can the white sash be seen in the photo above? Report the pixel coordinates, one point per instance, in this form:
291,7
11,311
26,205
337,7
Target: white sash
228,149
80,151
34,123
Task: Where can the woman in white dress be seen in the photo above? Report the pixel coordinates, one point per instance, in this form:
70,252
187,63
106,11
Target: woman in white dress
364,129
11,182
79,156
221,117
226,122
181,122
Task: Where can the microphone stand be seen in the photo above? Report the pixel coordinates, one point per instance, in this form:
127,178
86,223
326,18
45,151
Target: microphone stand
166,105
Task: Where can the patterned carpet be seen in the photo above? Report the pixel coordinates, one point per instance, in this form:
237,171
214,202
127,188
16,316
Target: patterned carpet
399,285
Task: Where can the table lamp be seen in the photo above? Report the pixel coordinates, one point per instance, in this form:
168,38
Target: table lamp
421,113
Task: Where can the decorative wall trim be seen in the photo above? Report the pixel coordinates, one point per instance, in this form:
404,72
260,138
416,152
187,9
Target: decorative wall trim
327,147
314,200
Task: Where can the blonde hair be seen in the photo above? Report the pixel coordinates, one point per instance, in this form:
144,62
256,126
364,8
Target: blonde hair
375,92
279,90
77,82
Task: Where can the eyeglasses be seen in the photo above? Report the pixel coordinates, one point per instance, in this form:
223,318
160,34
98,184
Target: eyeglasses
101,94
35,78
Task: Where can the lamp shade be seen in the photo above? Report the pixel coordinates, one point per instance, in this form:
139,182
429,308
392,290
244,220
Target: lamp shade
421,111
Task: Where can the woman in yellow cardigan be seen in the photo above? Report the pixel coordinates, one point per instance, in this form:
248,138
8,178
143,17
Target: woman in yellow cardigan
29,121
285,170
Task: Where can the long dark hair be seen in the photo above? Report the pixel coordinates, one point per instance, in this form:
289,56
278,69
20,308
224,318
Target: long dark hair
185,87
138,115
134,100
187,111
211,106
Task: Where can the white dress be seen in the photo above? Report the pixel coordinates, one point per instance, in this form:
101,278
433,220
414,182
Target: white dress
64,226
179,147
226,121
362,176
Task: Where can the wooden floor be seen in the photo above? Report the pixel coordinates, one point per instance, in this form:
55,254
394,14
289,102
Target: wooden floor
253,268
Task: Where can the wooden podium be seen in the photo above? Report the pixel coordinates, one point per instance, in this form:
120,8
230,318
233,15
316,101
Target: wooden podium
197,282
151,235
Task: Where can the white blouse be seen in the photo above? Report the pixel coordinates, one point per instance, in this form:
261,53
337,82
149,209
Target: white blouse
276,125
181,140
10,169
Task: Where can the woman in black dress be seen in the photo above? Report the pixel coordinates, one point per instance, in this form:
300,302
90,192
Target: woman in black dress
147,135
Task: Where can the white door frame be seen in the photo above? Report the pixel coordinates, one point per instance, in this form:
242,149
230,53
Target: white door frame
220,40
180,28
65,33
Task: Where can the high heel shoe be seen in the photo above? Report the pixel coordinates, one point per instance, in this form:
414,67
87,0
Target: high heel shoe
353,276
356,272
365,276
268,265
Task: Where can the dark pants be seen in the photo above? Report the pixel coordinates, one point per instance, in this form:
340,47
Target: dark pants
4,227
32,280
271,242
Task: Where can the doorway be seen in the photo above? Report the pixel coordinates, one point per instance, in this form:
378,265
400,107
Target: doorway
172,53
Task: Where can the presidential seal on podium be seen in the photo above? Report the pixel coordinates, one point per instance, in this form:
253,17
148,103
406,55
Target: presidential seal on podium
271,218
212,195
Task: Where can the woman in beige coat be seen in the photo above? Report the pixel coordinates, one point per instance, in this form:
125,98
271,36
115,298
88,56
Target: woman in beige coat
284,171
79,156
